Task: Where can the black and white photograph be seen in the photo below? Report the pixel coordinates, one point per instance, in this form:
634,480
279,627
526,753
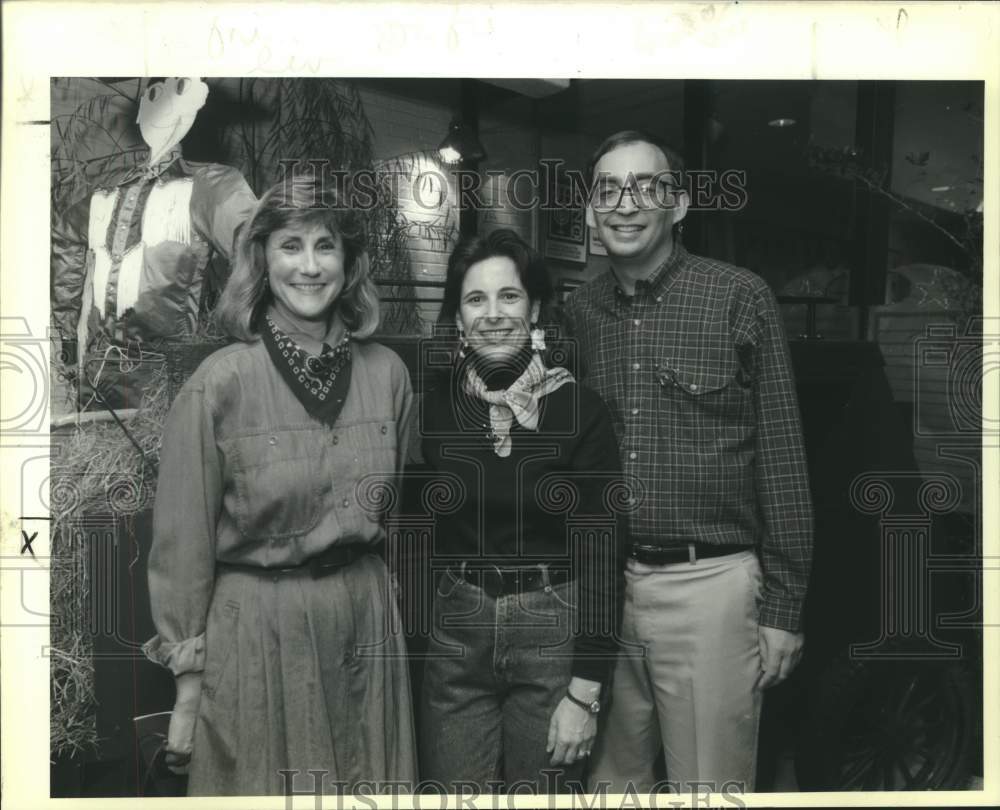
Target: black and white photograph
390,434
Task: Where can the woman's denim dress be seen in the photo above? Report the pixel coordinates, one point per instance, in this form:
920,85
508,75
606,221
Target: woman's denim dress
300,673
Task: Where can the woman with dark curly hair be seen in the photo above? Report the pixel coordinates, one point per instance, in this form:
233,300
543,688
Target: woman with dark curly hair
269,596
524,616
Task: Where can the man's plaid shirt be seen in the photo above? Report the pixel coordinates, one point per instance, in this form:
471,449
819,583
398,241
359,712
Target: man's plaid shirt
697,374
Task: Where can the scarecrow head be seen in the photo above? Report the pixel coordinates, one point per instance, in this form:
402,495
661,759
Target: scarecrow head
167,110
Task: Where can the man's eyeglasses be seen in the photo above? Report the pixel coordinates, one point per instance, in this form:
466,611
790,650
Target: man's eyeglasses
656,193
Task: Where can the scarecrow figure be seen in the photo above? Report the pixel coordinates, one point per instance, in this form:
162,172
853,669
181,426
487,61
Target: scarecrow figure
132,269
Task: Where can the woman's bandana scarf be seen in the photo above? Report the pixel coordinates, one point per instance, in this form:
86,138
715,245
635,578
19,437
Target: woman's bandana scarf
519,401
319,383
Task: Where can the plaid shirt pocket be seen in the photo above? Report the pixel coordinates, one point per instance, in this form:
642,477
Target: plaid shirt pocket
705,397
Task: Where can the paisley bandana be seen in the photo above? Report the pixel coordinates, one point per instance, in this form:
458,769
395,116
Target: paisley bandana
519,401
319,383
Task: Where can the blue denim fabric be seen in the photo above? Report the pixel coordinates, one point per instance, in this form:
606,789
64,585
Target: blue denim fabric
497,669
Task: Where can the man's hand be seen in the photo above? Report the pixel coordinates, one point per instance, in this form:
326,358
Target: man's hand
780,652
180,735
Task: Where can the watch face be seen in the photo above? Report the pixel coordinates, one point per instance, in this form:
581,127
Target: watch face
593,707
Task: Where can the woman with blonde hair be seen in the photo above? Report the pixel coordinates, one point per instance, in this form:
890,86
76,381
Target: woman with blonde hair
267,588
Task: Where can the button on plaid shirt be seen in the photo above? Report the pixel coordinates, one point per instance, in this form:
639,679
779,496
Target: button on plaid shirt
697,374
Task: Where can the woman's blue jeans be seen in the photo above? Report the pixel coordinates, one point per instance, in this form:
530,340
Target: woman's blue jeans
496,670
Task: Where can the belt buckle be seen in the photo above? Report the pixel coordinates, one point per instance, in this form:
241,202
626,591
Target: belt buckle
533,579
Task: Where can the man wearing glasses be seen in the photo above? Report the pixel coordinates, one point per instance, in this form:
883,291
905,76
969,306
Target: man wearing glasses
690,355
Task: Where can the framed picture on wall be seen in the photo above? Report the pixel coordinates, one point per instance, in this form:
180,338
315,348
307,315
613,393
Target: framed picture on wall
566,227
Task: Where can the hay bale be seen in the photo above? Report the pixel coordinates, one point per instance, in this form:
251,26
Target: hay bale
98,476
73,722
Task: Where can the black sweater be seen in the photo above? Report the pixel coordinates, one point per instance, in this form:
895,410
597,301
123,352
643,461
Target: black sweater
558,498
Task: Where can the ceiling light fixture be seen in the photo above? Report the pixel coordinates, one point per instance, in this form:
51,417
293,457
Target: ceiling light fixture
781,122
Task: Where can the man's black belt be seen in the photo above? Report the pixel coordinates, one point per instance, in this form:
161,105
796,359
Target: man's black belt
689,552
500,581
319,565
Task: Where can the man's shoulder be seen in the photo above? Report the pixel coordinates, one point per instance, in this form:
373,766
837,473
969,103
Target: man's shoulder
575,396
591,291
706,270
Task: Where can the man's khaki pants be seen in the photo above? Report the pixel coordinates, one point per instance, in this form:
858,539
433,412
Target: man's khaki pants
685,679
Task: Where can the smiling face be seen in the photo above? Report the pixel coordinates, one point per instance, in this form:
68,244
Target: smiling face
636,232
306,273
166,112
494,309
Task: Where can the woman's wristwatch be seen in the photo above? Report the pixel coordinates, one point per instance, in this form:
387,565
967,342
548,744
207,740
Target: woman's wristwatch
593,707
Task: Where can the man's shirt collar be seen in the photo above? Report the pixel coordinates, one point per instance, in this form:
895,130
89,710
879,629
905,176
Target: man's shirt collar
656,285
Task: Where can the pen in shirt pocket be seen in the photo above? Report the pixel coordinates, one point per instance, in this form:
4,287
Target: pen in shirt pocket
666,375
